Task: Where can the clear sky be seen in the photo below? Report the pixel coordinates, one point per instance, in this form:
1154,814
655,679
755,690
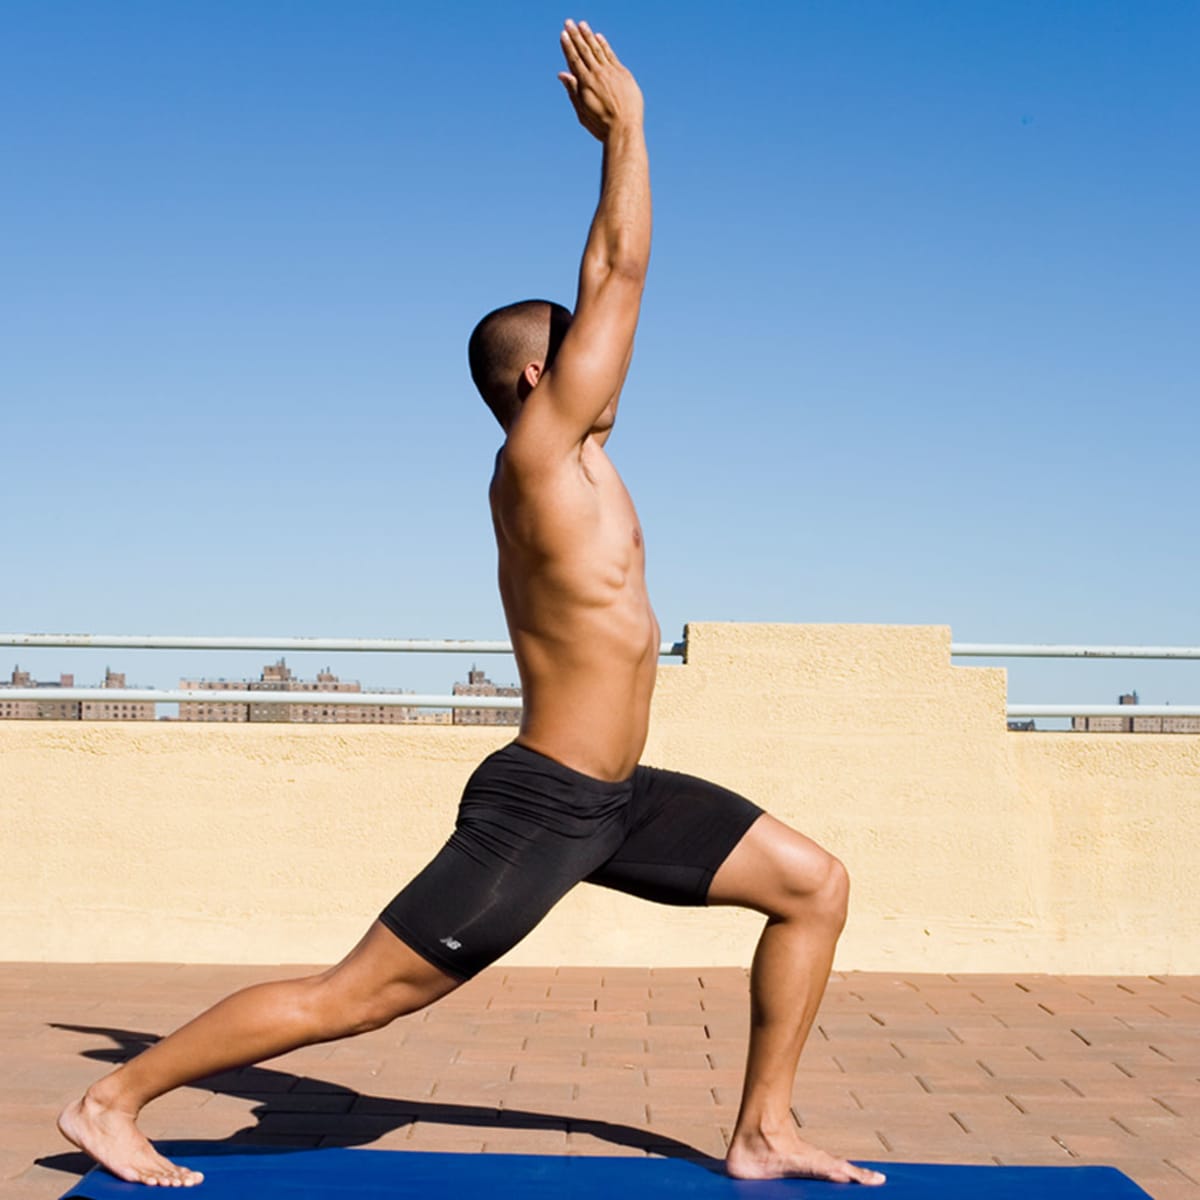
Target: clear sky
919,343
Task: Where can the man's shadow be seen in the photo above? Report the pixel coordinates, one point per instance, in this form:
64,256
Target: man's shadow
358,1117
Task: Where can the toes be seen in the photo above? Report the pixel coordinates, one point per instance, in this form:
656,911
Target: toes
173,1175
865,1176
840,1171
166,1173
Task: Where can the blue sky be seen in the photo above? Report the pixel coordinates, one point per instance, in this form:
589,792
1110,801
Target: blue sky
918,344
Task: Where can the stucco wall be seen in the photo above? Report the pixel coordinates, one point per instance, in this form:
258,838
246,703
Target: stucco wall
971,849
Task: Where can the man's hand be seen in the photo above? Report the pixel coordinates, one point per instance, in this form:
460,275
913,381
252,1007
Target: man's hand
603,92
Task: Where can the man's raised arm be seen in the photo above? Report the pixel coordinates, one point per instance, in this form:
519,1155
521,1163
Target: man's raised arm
578,393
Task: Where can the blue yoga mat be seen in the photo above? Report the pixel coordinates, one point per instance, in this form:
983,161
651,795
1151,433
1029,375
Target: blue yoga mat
260,1174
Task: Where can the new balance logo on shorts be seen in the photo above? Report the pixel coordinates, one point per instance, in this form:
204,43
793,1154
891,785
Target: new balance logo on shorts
453,943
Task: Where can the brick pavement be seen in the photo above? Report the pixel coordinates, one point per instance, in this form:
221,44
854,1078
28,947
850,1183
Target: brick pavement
973,1069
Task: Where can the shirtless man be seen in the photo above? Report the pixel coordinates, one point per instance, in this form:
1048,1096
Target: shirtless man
567,800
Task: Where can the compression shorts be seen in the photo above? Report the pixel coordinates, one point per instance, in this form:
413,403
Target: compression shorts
529,829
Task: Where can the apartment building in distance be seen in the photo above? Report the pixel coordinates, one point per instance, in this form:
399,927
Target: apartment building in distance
34,710
478,684
1132,724
278,677
71,710
116,710
275,677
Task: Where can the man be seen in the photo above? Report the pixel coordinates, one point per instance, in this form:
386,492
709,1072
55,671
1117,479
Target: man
567,800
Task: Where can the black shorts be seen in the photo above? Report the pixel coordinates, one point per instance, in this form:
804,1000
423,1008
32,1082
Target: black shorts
530,829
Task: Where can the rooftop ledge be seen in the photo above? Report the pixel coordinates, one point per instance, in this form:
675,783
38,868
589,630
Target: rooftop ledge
971,848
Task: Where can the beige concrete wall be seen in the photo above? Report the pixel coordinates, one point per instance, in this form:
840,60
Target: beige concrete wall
971,849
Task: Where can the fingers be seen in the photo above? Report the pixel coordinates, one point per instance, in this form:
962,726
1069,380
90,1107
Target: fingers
571,52
579,41
609,53
593,43
570,83
579,35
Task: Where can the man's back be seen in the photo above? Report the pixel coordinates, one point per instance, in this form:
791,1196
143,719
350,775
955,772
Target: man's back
572,580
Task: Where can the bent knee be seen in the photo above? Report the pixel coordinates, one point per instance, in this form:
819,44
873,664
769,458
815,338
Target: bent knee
835,894
820,891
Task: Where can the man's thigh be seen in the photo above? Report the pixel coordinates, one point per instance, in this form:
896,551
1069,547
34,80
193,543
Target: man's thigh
528,830
679,833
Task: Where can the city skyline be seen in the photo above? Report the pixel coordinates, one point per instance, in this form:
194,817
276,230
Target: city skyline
278,676
274,677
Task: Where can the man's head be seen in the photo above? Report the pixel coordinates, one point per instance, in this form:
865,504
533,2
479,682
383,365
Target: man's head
510,348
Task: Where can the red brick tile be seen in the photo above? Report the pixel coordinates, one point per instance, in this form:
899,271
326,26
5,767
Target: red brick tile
603,1042
633,1076
463,1091
526,1141
588,1143
556,1053
593,976
626,1002
702,1136
677,1016
447,1138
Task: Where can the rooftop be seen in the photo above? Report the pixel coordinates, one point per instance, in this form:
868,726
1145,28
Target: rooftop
618,1061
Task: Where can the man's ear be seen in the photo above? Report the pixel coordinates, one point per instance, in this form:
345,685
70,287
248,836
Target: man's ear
529,379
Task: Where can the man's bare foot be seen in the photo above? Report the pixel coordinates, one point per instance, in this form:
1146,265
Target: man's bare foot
787,1156
115,1142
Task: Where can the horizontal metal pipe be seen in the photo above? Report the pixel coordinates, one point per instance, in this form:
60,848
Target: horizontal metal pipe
1016,650
418,700
113,641
1104,710
214,696
106,641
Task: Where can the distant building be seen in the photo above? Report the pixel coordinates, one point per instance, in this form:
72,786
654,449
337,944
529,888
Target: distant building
190,710
70,710
116,710
1029,726
278,677
1132,724
37,710
478,684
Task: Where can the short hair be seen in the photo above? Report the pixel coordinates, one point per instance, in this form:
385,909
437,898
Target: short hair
505,342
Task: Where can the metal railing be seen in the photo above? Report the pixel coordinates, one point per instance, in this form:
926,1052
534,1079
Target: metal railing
465,646
110,641
265,696
1018,650
1034,650
1104,710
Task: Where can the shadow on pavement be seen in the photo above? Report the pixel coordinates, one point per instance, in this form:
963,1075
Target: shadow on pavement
360,1117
